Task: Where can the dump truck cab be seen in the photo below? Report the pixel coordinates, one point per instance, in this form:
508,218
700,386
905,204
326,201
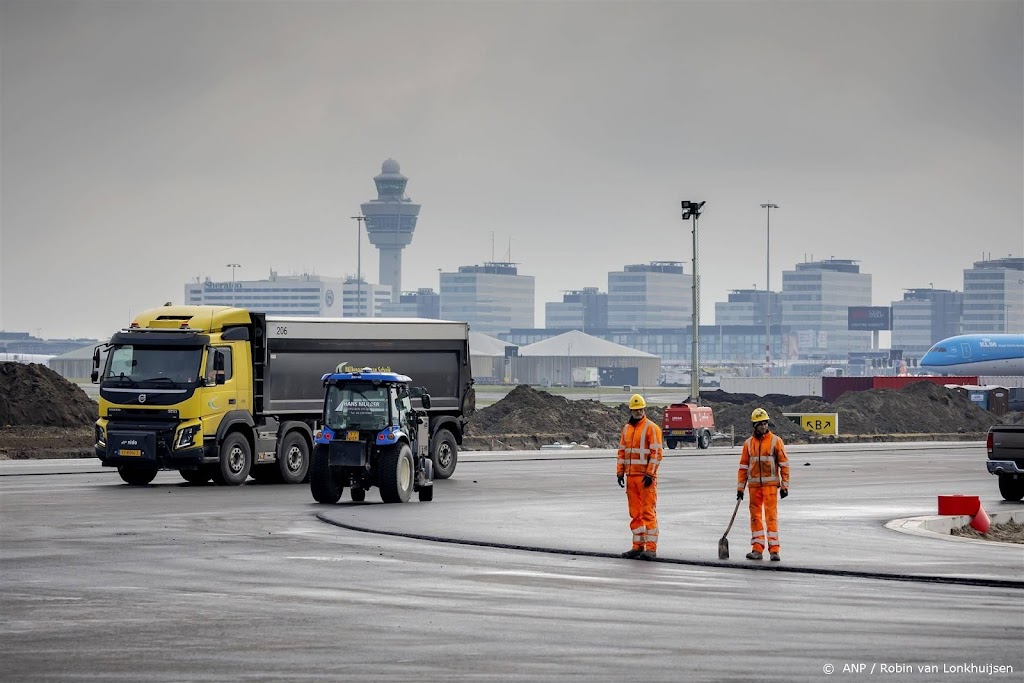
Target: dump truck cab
170,383
372,436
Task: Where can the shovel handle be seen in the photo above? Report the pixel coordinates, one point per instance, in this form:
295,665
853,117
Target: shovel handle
733,519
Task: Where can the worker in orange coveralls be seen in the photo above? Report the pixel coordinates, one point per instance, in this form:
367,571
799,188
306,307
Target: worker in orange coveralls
764,467
640,451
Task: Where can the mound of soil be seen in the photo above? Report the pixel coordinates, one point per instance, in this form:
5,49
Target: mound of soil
528,418
529,412
33,394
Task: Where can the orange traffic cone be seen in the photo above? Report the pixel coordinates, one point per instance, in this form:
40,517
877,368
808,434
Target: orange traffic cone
980,521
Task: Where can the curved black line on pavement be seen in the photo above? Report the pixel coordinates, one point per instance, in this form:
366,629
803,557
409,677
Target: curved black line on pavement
961,581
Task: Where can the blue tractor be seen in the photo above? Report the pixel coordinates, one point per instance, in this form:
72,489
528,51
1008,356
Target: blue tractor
372,436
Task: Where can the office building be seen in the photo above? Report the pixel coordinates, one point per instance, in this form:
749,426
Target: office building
747,307
652,295
305,294
366,301
584,310
994,296
390,223
815,299
423,303
492,298
923,317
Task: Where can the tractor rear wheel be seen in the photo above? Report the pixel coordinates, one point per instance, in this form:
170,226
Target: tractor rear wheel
322,482
395,474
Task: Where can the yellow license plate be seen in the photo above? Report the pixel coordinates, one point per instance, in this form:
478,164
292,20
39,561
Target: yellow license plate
130,451
351,436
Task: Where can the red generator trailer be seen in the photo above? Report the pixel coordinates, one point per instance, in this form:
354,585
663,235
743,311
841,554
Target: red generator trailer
687,422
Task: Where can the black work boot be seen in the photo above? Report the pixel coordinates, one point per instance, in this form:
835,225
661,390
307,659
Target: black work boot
648,555
775,557
754,555
633,554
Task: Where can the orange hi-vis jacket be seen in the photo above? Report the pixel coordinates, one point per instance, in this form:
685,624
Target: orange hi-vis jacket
762,462
640,449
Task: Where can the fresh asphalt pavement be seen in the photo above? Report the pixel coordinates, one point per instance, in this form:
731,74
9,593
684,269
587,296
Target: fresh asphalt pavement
177,582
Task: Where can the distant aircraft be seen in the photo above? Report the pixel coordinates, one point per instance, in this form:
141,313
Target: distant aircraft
977,354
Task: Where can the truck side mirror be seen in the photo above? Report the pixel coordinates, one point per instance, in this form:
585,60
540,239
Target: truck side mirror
425,400
95,376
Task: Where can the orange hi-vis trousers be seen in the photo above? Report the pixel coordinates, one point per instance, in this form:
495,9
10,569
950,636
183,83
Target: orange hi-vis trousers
766,497
643,512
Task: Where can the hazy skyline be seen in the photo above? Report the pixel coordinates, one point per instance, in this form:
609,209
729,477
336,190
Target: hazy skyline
145,144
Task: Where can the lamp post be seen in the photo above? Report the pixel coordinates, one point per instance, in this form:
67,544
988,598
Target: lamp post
232,266
693,210
768,290
359,263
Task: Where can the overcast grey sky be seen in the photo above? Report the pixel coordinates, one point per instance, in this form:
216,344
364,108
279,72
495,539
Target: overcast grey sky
148,143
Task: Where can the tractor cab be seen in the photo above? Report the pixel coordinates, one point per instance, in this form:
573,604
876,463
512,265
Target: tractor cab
372,436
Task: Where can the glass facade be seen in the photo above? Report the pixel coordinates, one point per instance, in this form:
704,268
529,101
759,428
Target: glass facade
492,298
923,317
994,297
583,310
815,299
651,295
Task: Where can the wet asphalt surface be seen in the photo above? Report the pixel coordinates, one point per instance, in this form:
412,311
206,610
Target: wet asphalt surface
177,582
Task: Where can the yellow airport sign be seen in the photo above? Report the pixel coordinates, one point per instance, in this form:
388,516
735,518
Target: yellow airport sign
819,423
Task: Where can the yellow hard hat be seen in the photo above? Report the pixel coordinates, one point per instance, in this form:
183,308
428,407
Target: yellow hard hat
636,402
759,415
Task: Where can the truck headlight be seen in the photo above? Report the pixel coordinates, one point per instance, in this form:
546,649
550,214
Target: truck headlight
101,437
187,437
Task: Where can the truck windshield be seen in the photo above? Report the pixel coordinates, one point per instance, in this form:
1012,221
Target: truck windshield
153,366
357,407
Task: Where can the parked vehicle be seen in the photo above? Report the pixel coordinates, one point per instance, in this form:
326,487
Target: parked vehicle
372,436
225,393
687,422
1005,445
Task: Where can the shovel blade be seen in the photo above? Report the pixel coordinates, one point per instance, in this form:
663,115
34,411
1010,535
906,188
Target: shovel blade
723,548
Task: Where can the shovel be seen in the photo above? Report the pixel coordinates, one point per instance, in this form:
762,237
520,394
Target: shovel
723,543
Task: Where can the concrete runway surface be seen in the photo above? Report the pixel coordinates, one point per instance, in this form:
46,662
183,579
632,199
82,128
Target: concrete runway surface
177,582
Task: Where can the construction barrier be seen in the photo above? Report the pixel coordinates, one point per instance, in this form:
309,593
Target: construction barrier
966,505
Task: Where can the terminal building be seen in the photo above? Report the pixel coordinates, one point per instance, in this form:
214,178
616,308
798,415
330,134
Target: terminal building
305,294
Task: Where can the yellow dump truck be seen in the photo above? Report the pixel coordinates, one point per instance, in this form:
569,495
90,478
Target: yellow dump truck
223,393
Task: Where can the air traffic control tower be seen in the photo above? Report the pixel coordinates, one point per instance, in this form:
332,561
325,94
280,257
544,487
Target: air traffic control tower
390,222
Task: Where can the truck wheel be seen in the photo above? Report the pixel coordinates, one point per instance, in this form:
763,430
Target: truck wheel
322,482
445,454
358,495
1010,488
293,460
671,443
135,475
704,440
426,494
395,473
200,475
235,461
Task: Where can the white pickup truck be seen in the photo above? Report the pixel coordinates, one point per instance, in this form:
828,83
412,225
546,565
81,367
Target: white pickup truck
1005,445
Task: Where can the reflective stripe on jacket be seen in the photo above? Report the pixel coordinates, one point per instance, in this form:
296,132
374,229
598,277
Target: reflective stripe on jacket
640,449
762,462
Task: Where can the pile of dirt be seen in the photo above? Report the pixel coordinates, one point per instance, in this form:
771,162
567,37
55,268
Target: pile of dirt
33,394
529,412
527,417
